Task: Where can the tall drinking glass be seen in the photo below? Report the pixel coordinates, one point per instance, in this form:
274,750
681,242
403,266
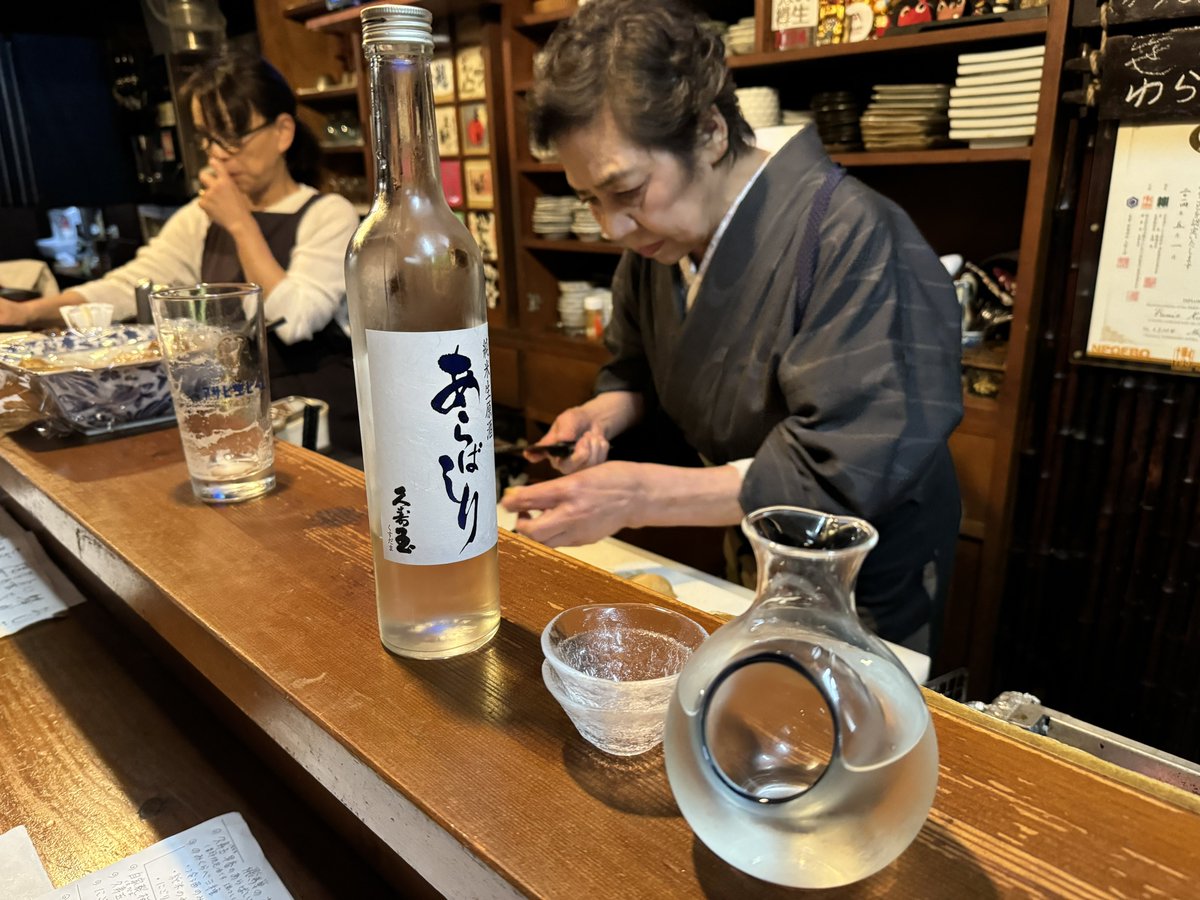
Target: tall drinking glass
214,346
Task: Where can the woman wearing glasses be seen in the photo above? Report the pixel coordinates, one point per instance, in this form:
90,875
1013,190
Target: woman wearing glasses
257,218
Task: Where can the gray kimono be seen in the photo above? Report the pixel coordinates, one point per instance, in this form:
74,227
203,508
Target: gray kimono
839,376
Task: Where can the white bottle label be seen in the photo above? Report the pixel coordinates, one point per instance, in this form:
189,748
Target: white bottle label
435,469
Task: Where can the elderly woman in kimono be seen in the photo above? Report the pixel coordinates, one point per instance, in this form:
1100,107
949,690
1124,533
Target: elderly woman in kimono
791,322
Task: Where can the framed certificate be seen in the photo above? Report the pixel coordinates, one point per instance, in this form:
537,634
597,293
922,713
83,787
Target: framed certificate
1146,306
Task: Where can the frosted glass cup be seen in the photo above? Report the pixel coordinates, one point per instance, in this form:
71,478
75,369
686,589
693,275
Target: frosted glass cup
214,346
613,670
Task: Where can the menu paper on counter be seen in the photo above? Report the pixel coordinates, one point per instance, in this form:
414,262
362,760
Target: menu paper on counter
31,586
216,860
1147,299
21,871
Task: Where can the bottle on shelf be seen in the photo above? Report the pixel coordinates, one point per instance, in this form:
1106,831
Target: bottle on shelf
414,280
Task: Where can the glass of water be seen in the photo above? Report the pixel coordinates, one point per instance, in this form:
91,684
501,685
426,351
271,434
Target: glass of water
214,346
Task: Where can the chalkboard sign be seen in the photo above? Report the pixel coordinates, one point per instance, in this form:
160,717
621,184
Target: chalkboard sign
1123,11
1151,77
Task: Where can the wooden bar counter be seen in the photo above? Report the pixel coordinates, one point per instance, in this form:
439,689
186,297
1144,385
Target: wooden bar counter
467,769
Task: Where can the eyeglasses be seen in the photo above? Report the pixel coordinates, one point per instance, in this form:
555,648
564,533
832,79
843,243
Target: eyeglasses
230,147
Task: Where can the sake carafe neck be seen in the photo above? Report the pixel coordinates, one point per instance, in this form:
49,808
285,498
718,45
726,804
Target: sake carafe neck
807,560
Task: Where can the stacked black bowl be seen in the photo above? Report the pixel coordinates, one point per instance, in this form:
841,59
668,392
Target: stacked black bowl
836,114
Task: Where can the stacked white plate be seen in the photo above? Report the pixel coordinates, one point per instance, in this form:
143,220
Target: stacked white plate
905,117
759,105
739,38
994,99
570,305
552,216
584,225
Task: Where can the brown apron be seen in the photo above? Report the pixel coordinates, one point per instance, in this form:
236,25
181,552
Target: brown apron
321,367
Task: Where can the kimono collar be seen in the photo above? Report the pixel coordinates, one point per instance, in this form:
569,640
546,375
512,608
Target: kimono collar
693,276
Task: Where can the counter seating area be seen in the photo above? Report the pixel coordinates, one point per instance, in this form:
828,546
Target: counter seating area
462,777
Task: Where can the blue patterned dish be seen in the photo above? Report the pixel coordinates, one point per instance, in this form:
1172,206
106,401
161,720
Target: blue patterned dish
95,382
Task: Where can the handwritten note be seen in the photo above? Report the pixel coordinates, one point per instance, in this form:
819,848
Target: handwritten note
216,860
31,587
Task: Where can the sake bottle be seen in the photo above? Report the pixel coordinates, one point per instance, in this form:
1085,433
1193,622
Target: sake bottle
414,281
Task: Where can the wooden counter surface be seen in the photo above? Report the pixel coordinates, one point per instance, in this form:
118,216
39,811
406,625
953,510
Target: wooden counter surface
467,768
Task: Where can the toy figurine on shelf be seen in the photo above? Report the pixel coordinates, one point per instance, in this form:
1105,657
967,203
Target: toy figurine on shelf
949,9
831,23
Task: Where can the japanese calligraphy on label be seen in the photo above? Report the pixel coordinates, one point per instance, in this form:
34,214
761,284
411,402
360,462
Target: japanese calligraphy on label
787,14
434,464
1147,300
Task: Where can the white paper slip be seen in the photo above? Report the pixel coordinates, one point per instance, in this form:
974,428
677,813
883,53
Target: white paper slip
21,872
216,860
1036,51
1029,86
31,588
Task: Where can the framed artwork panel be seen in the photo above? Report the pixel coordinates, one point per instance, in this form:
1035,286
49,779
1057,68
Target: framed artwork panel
446,120
441,69
472,77
477,175
476,137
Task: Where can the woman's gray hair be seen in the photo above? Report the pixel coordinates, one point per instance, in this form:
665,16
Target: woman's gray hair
653,63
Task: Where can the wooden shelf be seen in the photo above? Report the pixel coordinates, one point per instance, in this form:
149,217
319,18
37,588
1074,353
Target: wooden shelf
539,168
302,12
538,20
316,96
554,342
347,21
949,155
573,246
947,37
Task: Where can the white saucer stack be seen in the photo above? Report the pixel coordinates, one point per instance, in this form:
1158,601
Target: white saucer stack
584,225
739,39
905,117
571,313
552,216
759,105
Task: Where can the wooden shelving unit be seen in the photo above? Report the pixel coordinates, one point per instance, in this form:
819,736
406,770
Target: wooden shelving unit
328,96
974,202
572,246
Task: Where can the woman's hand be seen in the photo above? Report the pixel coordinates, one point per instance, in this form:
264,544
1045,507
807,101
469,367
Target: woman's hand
221,199
39,311
14,314
581,508
574,424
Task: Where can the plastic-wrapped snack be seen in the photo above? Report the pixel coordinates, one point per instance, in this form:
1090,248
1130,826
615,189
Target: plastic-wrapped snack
102,381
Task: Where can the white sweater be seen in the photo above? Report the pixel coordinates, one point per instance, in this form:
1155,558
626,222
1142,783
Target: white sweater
312,294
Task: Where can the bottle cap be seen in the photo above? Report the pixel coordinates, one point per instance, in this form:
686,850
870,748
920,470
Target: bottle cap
390,23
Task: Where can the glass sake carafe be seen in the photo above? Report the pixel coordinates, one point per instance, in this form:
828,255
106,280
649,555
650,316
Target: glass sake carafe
798,747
